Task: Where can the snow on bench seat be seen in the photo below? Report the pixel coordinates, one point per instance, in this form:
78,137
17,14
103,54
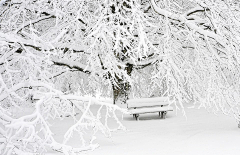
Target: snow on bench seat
150,110
145,102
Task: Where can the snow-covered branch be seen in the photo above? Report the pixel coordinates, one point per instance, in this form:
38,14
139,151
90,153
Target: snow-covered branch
194,10
189,23
35,21
71,64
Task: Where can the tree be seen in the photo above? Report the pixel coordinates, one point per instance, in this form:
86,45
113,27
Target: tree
54,52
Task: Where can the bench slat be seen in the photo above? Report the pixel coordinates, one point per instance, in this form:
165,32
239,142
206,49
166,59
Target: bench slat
150,110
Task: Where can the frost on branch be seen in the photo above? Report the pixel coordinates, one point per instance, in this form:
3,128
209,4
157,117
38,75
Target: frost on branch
29,99
30,103
202,53
32,132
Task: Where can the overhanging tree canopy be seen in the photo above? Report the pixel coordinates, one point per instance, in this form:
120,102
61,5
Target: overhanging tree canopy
188,50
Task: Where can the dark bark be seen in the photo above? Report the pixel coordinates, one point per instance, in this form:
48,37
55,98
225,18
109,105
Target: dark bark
72,67
122,89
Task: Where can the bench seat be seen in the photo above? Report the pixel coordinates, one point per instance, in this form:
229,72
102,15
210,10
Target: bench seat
144,110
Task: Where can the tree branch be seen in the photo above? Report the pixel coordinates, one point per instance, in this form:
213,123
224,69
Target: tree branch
34,22
151,59
62,72
194,10
70,64
188,23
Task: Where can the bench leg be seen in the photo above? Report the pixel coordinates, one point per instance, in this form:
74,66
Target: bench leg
160,114
164,114
137,117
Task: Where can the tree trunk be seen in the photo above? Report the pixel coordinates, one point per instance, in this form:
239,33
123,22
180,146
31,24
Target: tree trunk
123,88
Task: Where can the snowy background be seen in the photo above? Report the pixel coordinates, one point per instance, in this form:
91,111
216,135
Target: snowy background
59,59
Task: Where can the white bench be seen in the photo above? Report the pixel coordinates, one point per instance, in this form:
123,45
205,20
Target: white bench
148,105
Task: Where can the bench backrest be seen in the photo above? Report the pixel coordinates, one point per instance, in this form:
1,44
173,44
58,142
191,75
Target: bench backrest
146,102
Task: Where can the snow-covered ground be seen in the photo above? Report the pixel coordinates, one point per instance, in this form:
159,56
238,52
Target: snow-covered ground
202,133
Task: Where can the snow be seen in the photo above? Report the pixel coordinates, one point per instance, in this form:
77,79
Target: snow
201,133
142,100
2,2
150,109
146,104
